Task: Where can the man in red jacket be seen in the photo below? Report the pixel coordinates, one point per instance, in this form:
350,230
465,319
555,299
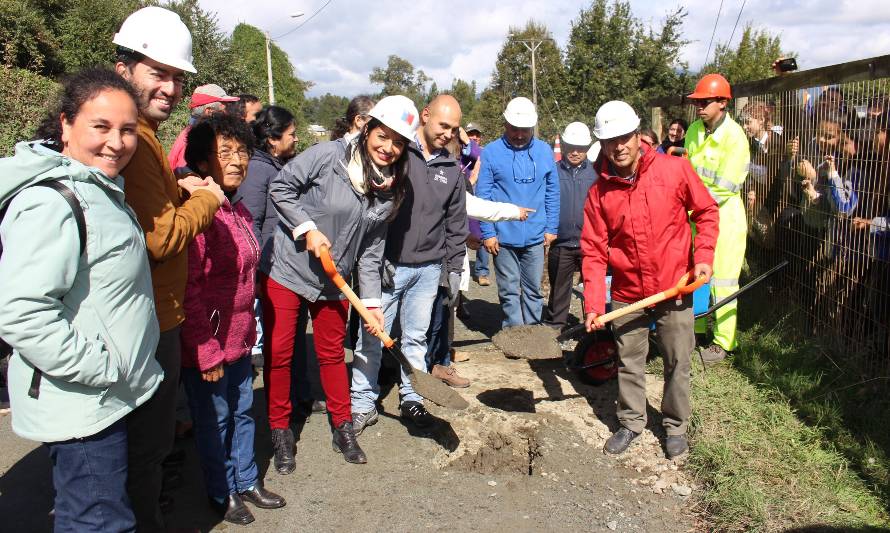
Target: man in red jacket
636,222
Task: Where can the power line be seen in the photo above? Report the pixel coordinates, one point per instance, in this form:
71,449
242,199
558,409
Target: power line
737,21
317,11
719,10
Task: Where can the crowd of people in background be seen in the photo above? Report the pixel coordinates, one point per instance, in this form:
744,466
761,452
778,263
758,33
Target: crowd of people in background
156,277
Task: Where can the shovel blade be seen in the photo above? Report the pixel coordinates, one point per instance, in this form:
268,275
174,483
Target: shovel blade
435,391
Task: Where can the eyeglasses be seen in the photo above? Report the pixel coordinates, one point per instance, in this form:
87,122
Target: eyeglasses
228,155
705,102
523,176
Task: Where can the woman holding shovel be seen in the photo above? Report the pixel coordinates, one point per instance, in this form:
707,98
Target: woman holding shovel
336,196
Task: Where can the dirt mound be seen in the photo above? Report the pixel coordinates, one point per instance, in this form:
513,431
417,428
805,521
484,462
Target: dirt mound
528,342
503,453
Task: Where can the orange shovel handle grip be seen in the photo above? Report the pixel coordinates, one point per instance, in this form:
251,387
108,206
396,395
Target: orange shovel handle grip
331,270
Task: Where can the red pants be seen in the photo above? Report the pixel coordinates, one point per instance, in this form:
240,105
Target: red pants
280,308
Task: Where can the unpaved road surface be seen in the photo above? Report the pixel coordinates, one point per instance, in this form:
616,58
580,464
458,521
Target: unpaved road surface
525,456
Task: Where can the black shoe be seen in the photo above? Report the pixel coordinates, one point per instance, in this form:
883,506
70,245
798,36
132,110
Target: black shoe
233,510
346,443
675,446
619,441
262,498
284,449
417,413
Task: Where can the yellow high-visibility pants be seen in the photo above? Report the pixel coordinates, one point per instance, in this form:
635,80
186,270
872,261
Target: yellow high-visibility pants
729,255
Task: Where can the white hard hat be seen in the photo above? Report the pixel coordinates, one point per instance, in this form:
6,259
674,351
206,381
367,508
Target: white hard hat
577,134
614,119
521,113
399,113
159,34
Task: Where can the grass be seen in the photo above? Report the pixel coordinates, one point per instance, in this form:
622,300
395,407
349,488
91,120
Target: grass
783,438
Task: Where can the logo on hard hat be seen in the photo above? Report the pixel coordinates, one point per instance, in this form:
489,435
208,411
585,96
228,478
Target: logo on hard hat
408,117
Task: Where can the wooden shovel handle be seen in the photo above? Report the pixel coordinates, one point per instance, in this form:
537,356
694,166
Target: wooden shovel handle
331,270
682,287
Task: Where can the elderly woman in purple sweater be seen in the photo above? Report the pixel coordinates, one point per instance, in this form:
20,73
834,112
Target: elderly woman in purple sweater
219,329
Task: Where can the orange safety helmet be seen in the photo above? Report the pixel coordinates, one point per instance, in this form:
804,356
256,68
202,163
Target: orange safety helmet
711,86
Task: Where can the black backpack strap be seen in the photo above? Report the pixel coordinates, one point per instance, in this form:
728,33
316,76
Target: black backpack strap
80,219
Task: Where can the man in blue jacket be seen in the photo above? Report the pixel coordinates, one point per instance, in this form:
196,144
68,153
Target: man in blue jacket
519,169
576,175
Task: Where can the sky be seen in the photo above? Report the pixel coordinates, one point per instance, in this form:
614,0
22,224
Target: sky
345,40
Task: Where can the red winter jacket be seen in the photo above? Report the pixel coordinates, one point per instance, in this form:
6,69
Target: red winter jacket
219,324
641,229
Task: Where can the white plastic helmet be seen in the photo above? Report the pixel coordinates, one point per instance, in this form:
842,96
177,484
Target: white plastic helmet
521,113
159,34
614,119
577,134
399,113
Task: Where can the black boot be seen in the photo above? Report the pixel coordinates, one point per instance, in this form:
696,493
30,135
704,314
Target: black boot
346,443
284,448
262,498
233,510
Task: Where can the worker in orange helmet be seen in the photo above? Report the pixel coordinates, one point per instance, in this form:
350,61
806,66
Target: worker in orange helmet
718,150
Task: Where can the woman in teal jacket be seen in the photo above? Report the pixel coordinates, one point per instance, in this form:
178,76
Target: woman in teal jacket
82,325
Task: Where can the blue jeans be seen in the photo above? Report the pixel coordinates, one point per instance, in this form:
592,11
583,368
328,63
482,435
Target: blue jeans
224,429
519,272
440,332
414,290
480,268
90,478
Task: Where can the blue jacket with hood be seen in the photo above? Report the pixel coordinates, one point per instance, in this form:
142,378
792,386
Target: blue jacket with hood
526,177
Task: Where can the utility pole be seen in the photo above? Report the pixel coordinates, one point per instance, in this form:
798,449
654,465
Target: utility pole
269,69
532,46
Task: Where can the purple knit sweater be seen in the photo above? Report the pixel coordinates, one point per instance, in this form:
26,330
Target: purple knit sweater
219,324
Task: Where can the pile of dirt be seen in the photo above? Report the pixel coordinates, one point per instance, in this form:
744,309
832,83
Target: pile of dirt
502,453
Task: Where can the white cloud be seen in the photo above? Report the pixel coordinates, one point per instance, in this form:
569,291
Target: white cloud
338,48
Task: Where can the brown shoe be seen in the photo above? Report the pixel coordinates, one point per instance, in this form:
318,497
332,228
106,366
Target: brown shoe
450,376
483,281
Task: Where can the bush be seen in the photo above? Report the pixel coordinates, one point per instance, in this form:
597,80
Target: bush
23,104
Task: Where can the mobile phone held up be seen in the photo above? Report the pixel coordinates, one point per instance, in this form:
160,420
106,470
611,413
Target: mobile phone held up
789,64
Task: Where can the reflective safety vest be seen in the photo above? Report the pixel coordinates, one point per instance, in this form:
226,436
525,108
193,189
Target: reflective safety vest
720,159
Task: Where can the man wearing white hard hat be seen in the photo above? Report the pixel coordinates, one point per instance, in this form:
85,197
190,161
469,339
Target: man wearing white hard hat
518,168
576,175
636,223
154,53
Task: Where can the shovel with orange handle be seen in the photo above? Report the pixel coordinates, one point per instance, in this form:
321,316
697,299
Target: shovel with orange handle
423,383
686,285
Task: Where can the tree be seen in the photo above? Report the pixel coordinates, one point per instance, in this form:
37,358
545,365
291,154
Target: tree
325,109
512,77
610,57
399,77
249,44
751,60
85,30
465,93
